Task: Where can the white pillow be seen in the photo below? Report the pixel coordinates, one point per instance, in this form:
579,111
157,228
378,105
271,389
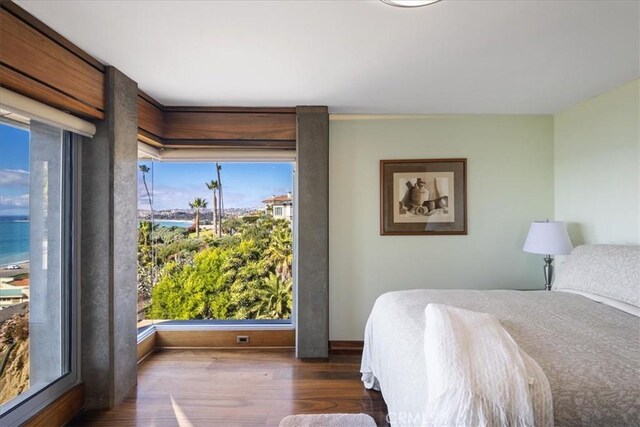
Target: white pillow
608,271
627,308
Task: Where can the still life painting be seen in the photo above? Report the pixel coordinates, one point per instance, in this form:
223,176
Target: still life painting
425,196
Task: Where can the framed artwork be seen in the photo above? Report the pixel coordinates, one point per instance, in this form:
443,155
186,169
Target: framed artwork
423,197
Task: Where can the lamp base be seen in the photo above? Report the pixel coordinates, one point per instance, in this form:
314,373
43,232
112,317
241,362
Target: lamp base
548,272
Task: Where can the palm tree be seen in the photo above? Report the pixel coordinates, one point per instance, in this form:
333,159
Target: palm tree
144,233
274,299
196,205
220,201
147,227
280,251
145,169
213,186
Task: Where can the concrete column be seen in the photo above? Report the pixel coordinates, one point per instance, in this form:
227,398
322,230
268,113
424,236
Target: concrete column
311,225
108,249
45,204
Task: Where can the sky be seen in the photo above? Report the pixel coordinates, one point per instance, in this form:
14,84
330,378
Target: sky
245,185
173,185
14,171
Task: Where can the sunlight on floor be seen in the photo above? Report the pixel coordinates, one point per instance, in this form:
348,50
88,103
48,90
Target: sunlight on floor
181,418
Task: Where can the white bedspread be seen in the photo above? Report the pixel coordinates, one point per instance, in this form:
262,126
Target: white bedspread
478,376
588,351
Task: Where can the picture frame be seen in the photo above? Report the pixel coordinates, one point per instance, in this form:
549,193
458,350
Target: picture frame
423,197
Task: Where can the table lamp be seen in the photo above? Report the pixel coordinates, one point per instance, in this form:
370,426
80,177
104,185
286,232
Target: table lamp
548,238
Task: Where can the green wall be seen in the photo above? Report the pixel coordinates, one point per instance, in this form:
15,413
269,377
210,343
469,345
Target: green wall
597,167
510,183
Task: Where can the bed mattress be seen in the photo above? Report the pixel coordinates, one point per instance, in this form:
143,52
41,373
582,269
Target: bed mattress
590,352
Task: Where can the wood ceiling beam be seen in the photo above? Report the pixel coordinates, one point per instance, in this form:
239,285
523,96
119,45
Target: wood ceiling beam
37,62
216,127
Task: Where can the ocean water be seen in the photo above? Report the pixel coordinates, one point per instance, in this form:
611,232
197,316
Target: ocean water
14,239
173,223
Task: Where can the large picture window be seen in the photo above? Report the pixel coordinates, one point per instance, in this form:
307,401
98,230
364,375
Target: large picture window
36,274
215,241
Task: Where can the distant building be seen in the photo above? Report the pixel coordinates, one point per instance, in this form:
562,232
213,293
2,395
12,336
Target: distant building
12,295
280,206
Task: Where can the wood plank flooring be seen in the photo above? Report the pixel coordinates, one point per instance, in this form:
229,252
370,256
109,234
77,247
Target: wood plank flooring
238,388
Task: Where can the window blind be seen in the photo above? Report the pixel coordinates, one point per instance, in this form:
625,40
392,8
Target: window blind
215,154
35,110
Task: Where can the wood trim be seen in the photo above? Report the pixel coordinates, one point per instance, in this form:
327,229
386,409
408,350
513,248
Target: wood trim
225,339
150,99
150,117
235,144
46,66
41,27
40,92
61,411
346,348
229,126
150,139
215,127
146,347
237,110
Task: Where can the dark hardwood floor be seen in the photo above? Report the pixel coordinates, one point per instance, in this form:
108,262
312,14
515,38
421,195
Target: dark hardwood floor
238,388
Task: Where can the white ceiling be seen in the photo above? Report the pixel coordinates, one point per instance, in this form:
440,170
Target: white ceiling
361,56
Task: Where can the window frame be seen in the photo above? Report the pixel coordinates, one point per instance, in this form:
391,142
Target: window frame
145,331
26,405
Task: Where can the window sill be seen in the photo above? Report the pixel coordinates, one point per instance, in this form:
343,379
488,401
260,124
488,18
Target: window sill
190,334
215,325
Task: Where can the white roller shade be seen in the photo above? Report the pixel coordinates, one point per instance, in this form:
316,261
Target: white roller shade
147,152
226,155
38,111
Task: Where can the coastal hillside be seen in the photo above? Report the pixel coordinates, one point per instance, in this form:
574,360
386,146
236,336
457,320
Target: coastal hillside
14,355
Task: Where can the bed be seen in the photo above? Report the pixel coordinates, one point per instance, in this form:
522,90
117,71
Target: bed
588,349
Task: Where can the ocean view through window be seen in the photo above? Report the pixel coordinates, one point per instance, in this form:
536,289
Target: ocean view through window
214,243
36,288
14,260
14,241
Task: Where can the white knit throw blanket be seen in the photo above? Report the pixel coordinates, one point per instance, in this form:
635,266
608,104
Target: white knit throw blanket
478,376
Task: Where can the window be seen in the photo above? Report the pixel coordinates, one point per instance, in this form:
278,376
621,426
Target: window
210,246
37,335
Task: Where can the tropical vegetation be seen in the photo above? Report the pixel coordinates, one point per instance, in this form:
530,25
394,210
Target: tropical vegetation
239,276
239,268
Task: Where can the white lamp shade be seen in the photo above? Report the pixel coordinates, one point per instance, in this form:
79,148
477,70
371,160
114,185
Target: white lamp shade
548,238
